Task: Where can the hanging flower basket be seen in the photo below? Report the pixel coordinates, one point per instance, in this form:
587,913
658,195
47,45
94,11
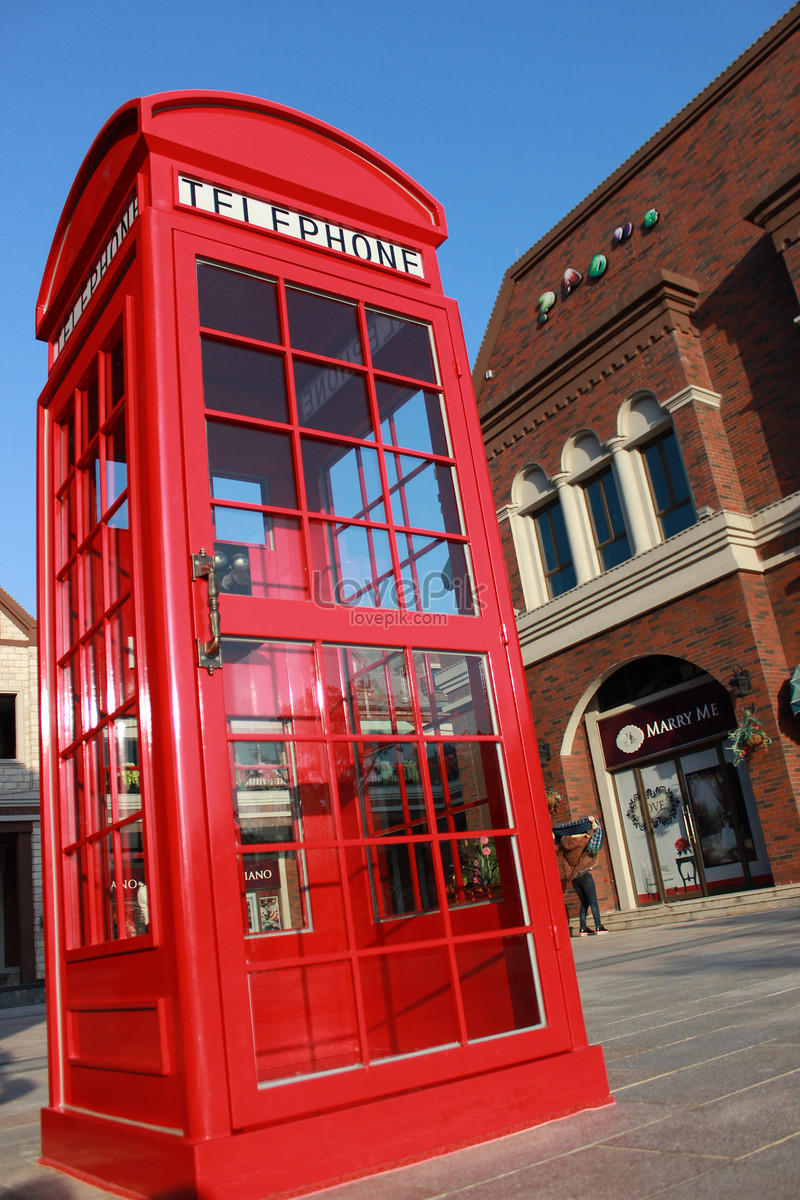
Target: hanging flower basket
553,800
747,736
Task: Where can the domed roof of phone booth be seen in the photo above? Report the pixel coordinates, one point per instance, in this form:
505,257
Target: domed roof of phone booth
283,154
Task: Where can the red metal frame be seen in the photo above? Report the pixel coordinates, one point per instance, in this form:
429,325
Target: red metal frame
173,1023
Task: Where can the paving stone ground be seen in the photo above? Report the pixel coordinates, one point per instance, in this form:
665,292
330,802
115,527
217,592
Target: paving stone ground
700,1025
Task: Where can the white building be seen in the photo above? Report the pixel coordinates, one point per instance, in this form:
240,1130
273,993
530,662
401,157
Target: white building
21,935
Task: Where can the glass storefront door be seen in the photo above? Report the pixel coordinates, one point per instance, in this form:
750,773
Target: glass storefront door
686,827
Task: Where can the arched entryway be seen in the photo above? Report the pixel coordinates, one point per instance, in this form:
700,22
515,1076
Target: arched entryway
686,817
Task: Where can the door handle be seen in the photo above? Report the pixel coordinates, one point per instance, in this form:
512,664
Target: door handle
209,654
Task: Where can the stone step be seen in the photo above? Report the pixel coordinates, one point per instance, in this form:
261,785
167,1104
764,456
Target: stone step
705,908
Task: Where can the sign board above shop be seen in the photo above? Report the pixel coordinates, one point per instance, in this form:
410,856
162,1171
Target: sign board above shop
662,725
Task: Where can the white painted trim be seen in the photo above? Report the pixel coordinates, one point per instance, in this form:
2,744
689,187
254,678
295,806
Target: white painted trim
697,557
692,395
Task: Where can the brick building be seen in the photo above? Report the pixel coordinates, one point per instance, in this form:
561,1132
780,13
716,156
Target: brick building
638,386
21,936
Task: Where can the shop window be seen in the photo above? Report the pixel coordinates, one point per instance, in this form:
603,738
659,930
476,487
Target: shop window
669,486
8,725
556,555
608,525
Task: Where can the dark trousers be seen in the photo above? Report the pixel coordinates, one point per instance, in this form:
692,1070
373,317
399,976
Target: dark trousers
587,894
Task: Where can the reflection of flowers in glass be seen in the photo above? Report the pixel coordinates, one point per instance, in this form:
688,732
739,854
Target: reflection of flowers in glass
479,866
682,846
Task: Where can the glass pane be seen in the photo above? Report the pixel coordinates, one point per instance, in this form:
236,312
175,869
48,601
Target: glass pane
423,494
274,569
66,526
135,900
680,518
435,575
664,803
97,797
281,791
102,875
468,786
399,346
594,494
275,891
122,658
91,562
251,464
403,884
91,412
269,687
304,1020
411,418
237,379
333,399
386,778
264,795
720,817
116,462
368,690
454,693
119,519
408,1002
658,477
498,990
343,479
234,302
72,783
352,565
126,755
71,722
68,605
76,887
118,545
324,326
115,365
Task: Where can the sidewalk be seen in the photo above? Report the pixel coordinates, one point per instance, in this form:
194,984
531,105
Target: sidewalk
700,1024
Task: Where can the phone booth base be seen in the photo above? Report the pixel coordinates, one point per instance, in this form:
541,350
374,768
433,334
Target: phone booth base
303,918
328,1148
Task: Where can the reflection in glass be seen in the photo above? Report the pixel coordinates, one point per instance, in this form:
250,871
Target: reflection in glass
238,379
468,786
368,690
498,988
411,418
333,399
323,325
312,1028
252,463
135,898
408,1002
264,793
400,346
274,891
343,480
352,564
435,575
235,302
269,687
454,692
423,495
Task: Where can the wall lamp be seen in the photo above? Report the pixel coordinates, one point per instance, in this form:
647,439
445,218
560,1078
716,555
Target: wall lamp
544,751
741,683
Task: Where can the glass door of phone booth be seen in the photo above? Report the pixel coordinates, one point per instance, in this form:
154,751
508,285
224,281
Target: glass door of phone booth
373,858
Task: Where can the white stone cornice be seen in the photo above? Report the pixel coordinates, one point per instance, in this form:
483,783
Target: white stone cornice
507,512
717,547
692,395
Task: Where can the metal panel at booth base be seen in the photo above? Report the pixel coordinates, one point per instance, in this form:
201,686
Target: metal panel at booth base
302,883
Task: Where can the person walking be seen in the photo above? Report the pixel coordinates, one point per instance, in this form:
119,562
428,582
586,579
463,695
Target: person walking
577,856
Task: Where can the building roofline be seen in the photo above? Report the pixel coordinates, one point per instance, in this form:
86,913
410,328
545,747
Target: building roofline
761,49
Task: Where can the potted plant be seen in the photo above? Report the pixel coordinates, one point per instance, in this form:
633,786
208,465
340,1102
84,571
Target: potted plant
554,798
747,736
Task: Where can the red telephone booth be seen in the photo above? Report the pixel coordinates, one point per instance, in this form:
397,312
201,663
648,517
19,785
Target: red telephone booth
303,918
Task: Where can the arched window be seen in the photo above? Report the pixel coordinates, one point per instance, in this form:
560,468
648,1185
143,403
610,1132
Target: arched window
591,467
651,438
544,552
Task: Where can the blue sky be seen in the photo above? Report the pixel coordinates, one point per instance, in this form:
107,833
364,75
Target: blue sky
508,112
